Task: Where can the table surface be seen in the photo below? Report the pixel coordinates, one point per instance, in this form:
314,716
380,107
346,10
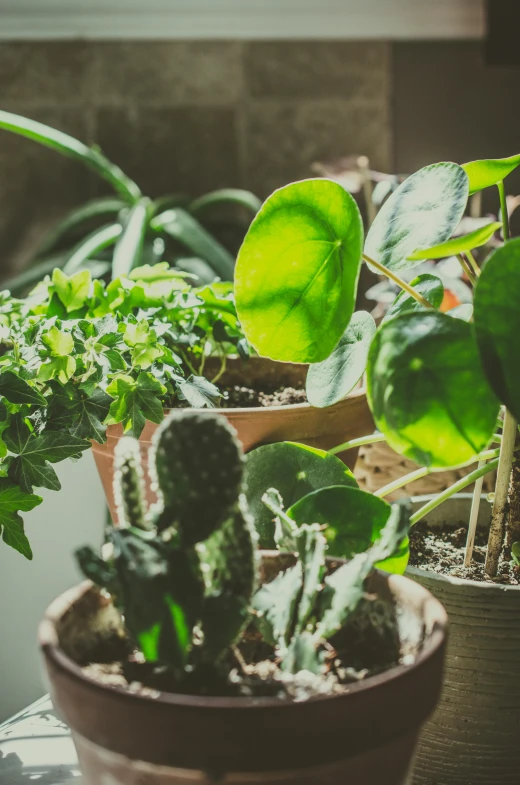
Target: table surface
36,749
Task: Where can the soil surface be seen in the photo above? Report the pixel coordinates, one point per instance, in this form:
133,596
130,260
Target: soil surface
239,397
442,550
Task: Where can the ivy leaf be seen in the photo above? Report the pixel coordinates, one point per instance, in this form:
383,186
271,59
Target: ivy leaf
135,402
199,392
60,343
74,291
60,368
17,390
34,454
12,500
82,415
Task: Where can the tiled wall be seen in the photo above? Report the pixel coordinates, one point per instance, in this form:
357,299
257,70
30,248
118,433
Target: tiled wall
192,116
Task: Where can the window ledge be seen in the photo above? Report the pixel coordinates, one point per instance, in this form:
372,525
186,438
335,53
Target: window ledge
242,19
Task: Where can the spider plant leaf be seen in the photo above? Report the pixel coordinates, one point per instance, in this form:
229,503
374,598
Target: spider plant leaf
225,196
102,209
181,226
72,148
129,249
93,243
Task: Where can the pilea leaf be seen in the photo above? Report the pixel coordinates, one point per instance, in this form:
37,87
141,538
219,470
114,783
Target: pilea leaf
490,171
429,286
457,245
427,390
424,211
332,379
297,271
294,470
354,520
497,322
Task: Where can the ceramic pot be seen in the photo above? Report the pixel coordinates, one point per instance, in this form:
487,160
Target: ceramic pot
474,736
321,428
365,736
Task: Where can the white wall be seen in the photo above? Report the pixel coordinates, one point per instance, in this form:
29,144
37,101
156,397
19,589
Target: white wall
65,520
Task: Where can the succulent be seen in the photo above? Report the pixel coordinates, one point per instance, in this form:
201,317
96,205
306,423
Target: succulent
179,610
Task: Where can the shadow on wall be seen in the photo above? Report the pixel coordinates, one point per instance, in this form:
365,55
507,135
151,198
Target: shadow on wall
66,520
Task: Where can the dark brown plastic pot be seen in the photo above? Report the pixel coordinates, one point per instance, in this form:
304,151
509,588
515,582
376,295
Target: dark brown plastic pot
366,736
321,428
474,736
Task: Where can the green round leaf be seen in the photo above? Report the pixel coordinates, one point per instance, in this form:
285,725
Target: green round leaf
354,520
425,210
488,172
428,285
331,380
294,470
427,390
297,271
497,322
467,242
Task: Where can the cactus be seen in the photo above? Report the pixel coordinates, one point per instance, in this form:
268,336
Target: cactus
154,569
128,484
197,467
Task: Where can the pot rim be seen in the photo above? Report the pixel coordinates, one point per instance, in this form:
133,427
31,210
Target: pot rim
434,616
451,579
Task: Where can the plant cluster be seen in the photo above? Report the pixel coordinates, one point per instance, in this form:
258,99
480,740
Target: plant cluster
435,381
115,234
78,355
184,572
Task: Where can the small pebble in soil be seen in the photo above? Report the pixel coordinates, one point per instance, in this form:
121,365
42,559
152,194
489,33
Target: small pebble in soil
237,397
442,550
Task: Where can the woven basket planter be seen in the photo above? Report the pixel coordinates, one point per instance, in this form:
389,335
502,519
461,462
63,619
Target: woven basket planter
378,465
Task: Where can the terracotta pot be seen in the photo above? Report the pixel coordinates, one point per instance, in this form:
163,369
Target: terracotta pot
322,428
474,736
366,736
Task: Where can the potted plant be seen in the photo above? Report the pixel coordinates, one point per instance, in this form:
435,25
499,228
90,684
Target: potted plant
190,656
117,233
436,385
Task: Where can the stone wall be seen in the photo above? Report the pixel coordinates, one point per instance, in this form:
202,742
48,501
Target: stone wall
192,116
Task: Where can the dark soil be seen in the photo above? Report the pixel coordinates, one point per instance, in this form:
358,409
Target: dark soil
237,397
442,550
369,644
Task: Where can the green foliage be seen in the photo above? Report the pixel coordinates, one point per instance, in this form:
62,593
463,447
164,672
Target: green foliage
353,518
424,211
466,242
294,470
427,390
297,271
303,606
483,174
429,286
497,322
155,571
130,230
332,379
78,355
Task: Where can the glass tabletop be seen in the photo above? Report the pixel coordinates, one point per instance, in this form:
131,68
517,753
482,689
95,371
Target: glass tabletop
36,748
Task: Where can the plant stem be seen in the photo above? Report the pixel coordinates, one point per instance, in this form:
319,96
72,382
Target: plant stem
374,438
455,488
364,170
467,269
418,474
473,518
503,208
498,516
473,263
424,471
395,278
